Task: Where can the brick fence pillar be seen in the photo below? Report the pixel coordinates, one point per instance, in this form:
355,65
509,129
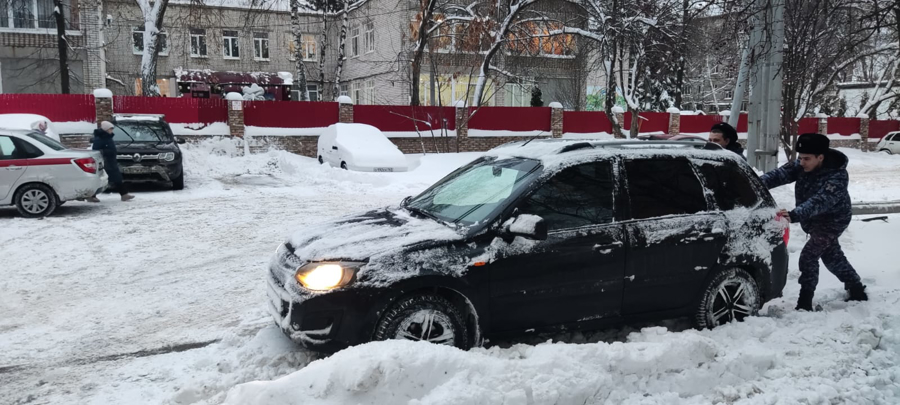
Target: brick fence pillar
462,126
863,132
674,121
103,105
620,117
235,114
823,124
345,115
556,119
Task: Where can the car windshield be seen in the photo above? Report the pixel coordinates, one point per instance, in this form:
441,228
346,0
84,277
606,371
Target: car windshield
49,142
476,192
139,131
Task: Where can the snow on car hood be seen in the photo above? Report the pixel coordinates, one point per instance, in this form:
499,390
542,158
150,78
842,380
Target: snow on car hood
366,236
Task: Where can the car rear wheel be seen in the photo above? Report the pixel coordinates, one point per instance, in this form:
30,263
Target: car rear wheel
321,161
731,295
888,151
424,317
35,201
344,165
178,183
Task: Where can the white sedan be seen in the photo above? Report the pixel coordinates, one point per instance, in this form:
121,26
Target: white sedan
360,147
890,143
38,174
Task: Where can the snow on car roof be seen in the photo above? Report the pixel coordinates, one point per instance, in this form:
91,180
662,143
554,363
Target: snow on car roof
557,152
138,117
20,121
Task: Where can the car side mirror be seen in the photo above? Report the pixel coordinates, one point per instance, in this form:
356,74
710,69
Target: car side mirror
528,226
334,147
180,140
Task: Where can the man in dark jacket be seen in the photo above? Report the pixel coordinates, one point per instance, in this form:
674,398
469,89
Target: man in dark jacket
103,141
726,136
823,211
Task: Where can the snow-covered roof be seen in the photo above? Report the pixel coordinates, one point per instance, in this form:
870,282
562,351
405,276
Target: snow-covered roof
20,121
138,117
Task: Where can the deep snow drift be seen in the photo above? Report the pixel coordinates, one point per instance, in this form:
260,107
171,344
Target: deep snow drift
162,301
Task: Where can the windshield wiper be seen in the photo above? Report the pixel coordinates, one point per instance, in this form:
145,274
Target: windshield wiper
423,213
126,133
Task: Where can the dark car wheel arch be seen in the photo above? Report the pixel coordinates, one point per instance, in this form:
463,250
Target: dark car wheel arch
699,316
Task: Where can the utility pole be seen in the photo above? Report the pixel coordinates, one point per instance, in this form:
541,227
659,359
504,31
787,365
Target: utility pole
740,88
764,124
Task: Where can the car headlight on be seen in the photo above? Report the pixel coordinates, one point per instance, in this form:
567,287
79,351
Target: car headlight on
326,276
168,156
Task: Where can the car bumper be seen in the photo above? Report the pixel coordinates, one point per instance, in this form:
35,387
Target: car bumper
83,188
150,172
322,322
779,272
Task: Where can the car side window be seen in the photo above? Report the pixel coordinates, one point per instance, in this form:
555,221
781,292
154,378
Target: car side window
577,196
659,187
730,187
25,150
7,148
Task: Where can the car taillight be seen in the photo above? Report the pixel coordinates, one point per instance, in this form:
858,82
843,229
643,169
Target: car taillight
89,165
787,227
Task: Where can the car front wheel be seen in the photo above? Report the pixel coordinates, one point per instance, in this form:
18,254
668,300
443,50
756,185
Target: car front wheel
731,295
35,201
178,183
424,317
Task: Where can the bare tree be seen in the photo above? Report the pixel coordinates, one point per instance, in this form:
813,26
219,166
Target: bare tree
298,50
62,45
152,13
822,39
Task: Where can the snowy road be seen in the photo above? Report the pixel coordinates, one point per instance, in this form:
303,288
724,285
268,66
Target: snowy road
160,301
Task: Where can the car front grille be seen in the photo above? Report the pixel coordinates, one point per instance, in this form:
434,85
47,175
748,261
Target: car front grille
138,157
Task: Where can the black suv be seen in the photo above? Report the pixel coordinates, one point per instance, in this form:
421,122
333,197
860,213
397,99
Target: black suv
147,150
536,237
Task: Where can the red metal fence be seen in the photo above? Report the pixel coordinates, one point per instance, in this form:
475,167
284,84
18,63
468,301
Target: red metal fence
700,124
878,129
56,107
178,110
290,114
583,122
518,119
843,126
396,118
807,125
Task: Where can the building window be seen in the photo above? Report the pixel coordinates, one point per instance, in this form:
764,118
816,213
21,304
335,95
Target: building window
729,94
137,37
198,43
534,38
354,41
356,93
370,92
518,94
31,14
165,87
308,46
313,90
232,46
370,36
261,46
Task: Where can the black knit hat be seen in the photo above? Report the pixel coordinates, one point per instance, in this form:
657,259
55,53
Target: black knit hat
728,131
815,144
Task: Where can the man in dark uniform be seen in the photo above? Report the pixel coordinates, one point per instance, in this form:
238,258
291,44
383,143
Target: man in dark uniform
823,211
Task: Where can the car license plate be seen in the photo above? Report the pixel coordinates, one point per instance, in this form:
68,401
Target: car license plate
384,169
135,169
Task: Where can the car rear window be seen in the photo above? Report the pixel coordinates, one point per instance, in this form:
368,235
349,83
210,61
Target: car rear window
47,141
659,187
730,187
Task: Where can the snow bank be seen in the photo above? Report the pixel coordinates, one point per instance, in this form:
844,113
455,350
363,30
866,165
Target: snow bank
214,129
848,357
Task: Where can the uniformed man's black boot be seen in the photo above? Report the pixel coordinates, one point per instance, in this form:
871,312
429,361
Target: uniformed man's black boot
857,293
805,301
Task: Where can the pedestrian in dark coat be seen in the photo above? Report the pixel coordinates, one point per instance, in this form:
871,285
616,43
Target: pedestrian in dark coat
823,211
726,136
103,142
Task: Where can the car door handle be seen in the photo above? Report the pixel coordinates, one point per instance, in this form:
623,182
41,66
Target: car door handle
609,246
15,168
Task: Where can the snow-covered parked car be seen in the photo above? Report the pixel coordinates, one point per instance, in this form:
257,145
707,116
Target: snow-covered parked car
540,236
890,143
359,147
29,122
38,174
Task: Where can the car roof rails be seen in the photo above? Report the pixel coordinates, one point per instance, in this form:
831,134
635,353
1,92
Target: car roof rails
625,144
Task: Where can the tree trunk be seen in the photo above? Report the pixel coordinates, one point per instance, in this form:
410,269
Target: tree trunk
322,55
682,51
298,50
416,68
345,17
59,14
152,25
